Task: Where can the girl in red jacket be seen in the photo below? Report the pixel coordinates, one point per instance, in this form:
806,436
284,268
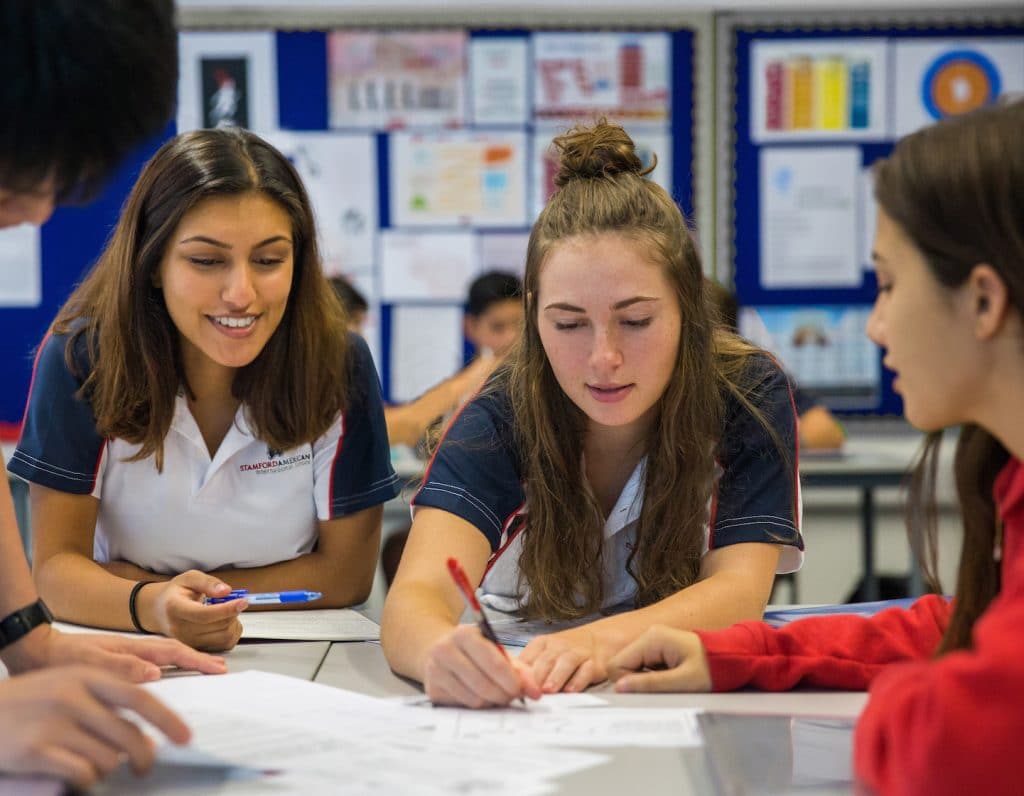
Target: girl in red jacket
946,708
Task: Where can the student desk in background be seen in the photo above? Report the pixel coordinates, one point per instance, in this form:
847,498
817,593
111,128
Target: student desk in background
866,462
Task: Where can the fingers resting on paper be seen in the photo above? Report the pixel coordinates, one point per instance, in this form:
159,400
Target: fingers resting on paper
570,660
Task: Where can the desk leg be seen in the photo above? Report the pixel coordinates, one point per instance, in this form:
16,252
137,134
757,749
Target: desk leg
867,520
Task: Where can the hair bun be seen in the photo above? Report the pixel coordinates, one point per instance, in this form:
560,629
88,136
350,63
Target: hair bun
601,150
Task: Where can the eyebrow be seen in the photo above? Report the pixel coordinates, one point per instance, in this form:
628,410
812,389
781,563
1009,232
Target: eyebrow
222,245
619,305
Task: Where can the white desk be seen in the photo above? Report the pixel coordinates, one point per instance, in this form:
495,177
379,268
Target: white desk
361,667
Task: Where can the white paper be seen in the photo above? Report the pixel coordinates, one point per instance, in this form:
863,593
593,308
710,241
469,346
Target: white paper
625,76
318,735
396,79
589,727
227,80
458,179
868,212
819,89
340,175
426,348
427,266
324,624
366,283
498,80
936,78
503,251
809,230
20,267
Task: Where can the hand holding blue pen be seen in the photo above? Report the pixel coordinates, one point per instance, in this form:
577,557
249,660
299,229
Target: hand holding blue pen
266,598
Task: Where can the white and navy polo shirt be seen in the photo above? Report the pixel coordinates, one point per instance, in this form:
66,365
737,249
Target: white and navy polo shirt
247,507
476,475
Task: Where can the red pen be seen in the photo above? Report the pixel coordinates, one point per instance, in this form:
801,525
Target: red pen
462,581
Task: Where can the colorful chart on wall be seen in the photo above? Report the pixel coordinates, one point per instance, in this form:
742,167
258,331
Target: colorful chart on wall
936,78
392,79
458,179
577,76
821,89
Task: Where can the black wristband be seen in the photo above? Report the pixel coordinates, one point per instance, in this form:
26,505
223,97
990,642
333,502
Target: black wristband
23,621
132,609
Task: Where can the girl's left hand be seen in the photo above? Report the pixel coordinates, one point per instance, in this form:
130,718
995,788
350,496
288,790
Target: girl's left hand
569,660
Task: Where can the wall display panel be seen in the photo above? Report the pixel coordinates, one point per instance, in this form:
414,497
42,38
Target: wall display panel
344,104
813,106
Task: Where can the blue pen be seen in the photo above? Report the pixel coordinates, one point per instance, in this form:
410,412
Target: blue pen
267,598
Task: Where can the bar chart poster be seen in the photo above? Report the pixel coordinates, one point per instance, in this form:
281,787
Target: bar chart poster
625,76
819,90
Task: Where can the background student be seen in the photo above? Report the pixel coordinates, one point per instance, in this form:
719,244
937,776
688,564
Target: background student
582,477
947,679
231,424
65,130
818,427
407,423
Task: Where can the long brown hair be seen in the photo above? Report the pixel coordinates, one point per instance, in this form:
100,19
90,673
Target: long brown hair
956,189
292,391
602,190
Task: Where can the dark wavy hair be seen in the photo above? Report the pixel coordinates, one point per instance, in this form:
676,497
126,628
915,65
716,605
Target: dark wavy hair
87,81
956,189
294,388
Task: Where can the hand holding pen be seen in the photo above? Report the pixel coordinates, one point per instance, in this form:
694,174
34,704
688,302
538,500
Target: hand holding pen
469,667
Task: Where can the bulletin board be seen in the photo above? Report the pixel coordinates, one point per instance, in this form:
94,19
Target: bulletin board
808,105
424,151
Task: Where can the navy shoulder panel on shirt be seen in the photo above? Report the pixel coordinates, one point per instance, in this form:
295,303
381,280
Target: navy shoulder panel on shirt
59,446
475,472
362,475
756,494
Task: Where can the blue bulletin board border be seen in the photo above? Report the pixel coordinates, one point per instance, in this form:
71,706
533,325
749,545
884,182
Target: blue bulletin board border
744,204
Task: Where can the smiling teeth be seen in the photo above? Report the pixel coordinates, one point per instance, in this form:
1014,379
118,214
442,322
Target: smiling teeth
236,323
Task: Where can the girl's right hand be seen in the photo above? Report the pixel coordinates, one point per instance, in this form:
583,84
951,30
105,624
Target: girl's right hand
464,668
662,659
178,609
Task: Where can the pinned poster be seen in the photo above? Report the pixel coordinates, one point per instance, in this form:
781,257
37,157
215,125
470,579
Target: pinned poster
458,179
821,89
227,80
824,348
937,78
427,266
626,76
340,174
20,269
503,251
498,72
426,348
809,210
388,80
868,219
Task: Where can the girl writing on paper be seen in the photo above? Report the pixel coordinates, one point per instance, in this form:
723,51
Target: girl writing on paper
626,455
949,254
199,414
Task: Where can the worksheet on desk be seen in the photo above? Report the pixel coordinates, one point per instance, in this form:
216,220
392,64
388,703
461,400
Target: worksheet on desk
323,624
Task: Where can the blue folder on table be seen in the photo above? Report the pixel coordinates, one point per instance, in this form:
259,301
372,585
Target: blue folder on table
784,616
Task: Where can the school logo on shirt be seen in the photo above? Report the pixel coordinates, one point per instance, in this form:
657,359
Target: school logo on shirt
275,464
